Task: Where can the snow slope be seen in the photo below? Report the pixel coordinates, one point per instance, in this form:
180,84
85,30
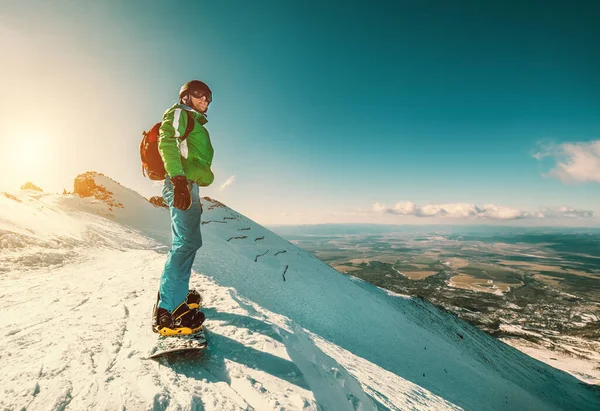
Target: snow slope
78,278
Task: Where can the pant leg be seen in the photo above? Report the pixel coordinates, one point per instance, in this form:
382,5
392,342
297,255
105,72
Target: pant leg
187,239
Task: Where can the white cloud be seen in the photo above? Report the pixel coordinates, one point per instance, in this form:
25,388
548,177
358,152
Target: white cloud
405,208
472,211
457,210
564,212
227,183
575,162
497,212
409,208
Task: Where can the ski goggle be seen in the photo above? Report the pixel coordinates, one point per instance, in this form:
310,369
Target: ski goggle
200,94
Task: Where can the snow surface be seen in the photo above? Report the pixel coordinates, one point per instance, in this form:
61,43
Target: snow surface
78,279
574,355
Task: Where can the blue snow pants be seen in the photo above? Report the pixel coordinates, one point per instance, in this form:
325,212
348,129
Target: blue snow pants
185,227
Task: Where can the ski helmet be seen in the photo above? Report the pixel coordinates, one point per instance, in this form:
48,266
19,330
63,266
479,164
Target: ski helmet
193,87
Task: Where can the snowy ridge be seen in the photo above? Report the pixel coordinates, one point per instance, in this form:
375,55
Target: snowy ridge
286,331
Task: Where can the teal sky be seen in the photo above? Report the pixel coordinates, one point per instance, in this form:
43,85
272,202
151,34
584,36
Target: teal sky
321,108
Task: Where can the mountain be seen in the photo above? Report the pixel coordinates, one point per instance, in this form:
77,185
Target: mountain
79,275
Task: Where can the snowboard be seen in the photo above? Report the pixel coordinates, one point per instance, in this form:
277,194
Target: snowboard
165,346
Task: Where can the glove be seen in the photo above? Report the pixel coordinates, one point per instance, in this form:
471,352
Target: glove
182,198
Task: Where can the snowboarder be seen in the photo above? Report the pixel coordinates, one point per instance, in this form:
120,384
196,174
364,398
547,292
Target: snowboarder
187,164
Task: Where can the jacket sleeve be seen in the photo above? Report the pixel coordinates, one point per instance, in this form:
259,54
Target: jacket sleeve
172,128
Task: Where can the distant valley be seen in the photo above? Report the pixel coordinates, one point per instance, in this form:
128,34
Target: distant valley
537,289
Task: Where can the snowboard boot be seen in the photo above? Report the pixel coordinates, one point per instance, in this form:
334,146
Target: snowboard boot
193,299
184,320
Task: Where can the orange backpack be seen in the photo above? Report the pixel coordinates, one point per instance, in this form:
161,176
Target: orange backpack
152,163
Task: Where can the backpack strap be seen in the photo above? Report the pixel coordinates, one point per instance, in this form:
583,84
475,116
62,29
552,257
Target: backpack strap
189,127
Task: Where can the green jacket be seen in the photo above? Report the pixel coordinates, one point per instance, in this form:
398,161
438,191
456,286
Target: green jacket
191,157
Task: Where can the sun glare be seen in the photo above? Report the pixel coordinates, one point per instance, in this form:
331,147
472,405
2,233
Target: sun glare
26,159
29,152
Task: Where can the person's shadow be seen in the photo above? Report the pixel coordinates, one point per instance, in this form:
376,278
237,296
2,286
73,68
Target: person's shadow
210,364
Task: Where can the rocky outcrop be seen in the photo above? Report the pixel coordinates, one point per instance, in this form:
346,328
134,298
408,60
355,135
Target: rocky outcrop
158,201
215,203
30,186
86,186
12,197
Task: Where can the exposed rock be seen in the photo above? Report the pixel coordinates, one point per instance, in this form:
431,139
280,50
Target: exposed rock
158,201
12,197
85,186
30,186
215,203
